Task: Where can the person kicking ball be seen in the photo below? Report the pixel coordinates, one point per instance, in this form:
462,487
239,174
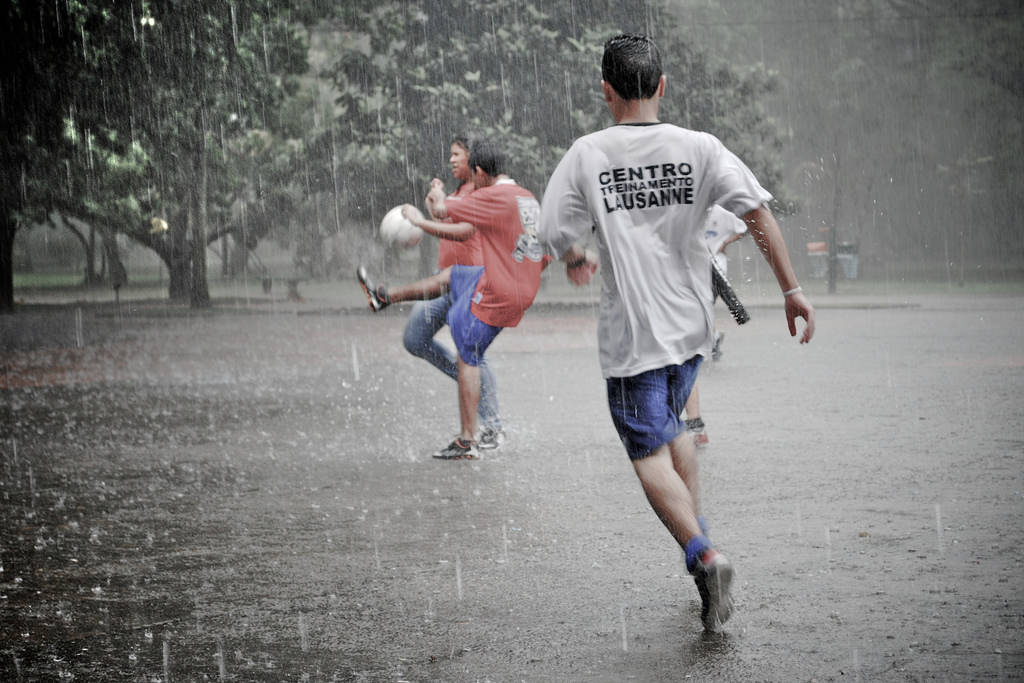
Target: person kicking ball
485,299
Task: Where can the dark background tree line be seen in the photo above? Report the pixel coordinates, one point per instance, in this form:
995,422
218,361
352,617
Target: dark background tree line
177,123
901,122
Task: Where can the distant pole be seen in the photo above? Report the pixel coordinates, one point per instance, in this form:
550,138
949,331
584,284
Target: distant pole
833,259
837,196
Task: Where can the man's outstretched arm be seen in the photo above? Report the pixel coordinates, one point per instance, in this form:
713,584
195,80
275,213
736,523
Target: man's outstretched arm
766,233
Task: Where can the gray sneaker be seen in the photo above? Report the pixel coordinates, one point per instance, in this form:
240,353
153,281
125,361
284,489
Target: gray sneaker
491,438
458,450
713,576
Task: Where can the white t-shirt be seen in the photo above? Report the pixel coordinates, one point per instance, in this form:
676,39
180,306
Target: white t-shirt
720,226
645,191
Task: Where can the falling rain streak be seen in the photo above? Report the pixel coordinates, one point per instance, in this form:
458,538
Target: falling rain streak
303,633
622,621
79,337
222,665
458,578
158,465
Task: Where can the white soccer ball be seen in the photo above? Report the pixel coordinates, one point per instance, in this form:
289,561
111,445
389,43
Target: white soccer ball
396,229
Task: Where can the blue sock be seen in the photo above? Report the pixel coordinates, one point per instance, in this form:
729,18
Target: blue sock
703,522
694,549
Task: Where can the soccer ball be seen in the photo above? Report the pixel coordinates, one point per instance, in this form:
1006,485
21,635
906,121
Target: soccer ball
396,229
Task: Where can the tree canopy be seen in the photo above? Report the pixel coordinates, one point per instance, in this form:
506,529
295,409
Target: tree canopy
902,120
527,73
191,117
118,112
176,122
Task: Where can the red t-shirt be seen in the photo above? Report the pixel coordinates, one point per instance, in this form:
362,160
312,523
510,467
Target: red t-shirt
467,253
505,216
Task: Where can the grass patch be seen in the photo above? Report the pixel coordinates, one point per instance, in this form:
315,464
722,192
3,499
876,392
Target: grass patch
64,288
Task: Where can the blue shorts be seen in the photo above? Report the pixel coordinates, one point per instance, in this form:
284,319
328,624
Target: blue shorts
647,409
471,335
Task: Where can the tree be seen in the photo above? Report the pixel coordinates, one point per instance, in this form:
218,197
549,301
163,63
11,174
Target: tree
38,53
206,73
902,117
183,112
527,73
171,77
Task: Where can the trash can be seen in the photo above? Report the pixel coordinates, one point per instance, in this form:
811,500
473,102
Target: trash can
817,256
847,257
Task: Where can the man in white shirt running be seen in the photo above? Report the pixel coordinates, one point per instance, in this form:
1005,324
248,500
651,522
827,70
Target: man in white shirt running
644,188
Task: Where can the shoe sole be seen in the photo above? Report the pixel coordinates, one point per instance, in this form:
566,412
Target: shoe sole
449,452
371,298
490,446
715,588
464,456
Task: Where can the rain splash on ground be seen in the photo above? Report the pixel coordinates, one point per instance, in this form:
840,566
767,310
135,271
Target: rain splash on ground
248,495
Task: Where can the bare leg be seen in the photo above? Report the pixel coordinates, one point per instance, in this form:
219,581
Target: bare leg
469,398
684,462
669,478
427,288
692,407
667,489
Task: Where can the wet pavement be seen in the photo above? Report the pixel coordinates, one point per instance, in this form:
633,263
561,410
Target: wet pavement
248,495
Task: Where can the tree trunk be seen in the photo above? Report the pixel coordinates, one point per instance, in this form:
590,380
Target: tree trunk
89,245
238,259
833,237
8,228
117,274
200,291
225,257
179,271
89,277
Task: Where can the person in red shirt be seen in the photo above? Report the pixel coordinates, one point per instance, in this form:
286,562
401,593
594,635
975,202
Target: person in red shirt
428,317
485,299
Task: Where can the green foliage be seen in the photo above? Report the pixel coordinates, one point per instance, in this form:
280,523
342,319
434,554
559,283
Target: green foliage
525,73
156,106
207,115
903,118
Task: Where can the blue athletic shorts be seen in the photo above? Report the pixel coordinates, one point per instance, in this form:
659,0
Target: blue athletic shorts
647,409
471,335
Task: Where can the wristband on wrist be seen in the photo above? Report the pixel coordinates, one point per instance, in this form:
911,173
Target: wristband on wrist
795,290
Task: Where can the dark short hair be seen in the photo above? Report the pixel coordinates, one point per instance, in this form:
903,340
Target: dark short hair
487,156
468,139
632,66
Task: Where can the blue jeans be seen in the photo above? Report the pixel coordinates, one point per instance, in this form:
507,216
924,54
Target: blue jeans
425,321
